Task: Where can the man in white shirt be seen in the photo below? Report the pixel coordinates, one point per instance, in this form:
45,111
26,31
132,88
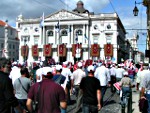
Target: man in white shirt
15,73
113,77
67,73
75,82
119,73
102,73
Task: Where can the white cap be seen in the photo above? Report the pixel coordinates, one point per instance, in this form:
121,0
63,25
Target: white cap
65,63
58,67
39,72
79,64
90,68
45,70
125,73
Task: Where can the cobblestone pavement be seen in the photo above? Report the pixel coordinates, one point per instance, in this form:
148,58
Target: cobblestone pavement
110,103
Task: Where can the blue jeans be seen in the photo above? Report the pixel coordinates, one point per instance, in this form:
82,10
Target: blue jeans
131,77
89,109
148,98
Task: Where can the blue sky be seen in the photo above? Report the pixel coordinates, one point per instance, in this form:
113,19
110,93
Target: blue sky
10,9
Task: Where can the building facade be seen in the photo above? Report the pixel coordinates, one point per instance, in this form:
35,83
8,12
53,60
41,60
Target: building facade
101,33
9,43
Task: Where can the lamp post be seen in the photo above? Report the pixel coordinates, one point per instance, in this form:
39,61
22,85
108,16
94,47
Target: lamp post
135,10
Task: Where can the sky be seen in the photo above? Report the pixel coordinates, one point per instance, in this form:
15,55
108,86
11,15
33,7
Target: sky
10,9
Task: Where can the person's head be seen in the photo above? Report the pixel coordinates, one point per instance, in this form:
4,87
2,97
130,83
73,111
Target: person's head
47,72
24,72
90,70
5,65
125,74
58,68
79,65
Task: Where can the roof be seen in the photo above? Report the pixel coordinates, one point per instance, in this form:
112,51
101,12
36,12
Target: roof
2,23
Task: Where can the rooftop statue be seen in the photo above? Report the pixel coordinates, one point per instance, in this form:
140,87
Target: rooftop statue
80,8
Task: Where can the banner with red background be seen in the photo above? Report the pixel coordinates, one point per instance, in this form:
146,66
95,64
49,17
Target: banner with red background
75,47
95,50
35,51
108,49
62,50
24,50
47,50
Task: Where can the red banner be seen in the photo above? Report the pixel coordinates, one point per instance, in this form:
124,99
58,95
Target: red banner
76,49
62,50
24,51
47,50
108,49
95,52
35,51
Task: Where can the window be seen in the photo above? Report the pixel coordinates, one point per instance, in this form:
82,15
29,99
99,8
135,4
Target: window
13,46
64,33
36,39
2,45
11,31
79,32
50,33
108,39
95,39
9,46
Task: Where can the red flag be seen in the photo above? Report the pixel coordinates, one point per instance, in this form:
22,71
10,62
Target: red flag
35,50
108,48
95,50
75,48
62,50
24,50
47,50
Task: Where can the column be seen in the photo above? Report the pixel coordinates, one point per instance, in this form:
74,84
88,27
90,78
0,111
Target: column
72,34
84,30
43,35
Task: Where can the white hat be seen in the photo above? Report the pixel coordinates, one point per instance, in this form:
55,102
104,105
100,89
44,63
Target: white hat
79,64
58,67
65,63
14,63
125,73
39,72
45,70
90,68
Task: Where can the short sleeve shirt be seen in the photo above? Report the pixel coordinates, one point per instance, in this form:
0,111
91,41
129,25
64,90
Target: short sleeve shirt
90,85
50,96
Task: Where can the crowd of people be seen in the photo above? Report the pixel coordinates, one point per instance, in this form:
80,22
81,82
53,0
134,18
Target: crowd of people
48,88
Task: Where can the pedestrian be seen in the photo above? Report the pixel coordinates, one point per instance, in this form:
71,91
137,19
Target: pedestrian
67,83
113,77
145,84
51,96
21,88
76,78
103,75
119,73
91,89
7,98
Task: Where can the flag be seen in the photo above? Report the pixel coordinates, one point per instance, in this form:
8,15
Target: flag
117,86
95,50
76,48
85,37
62,50
108,49
35,51
24,50
57,27
42,21
69,28
47,50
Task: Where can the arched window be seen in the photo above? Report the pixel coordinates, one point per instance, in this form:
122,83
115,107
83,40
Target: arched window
79,32
64,33
50,33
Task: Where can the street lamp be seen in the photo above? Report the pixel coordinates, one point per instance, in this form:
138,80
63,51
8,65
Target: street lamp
135,10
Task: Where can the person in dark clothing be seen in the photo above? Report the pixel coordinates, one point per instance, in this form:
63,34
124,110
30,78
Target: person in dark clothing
7,98
91,92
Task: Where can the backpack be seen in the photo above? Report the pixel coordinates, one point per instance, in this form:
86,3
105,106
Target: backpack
143,104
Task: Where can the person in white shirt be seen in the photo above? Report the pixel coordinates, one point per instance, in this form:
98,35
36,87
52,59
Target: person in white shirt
15,73
102,73
75,83
119,73
113,77
39,75
67,84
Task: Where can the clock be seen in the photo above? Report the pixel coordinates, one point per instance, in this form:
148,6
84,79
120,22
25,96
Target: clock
108,26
